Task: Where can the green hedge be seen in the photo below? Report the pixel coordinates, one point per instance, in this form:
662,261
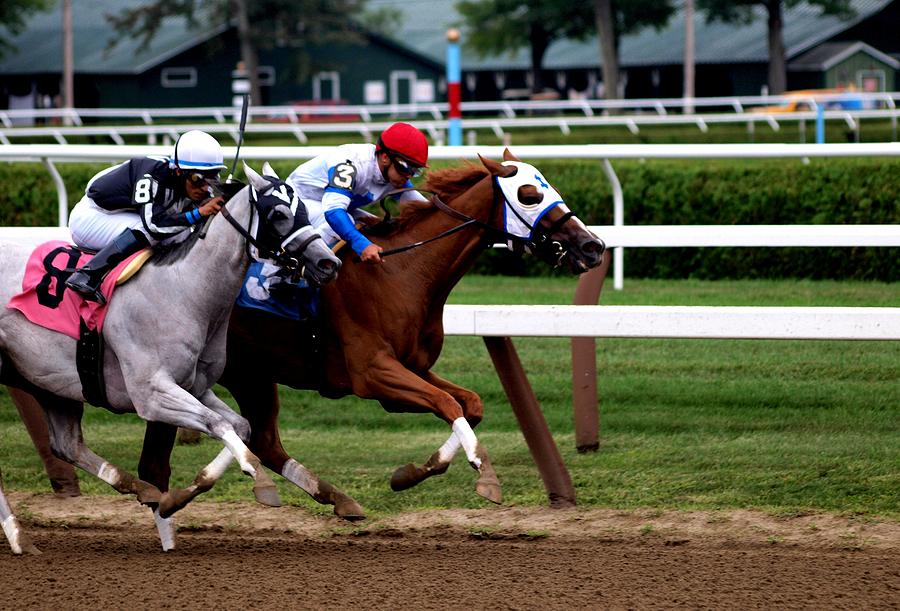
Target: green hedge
823,191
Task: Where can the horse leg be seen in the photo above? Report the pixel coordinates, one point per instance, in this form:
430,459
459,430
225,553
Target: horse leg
488,484
67,442
154,463
387,379
265,441
155,467
165,401
18,539
62,475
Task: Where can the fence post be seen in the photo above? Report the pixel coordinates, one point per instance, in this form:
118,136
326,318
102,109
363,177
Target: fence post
534,427
585,406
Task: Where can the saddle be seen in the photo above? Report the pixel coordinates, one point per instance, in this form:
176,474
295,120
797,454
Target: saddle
45,301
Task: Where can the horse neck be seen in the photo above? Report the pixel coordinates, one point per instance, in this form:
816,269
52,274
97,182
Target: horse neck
453,256
220,260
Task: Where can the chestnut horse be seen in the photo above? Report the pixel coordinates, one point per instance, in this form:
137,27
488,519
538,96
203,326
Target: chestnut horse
381,326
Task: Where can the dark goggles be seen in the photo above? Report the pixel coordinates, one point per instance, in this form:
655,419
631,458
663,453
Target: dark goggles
199,179
404,168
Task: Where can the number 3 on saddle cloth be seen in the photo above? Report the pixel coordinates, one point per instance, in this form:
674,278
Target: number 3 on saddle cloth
46,301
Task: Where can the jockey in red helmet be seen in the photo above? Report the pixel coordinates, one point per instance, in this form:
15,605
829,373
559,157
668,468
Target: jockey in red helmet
337,183
407,144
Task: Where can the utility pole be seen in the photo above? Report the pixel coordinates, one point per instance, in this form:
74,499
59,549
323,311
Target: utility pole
68,80
688,57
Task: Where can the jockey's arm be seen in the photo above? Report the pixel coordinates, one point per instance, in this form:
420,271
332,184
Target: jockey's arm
339,220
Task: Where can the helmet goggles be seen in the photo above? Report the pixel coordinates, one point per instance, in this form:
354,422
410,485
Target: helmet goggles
404,167
201,178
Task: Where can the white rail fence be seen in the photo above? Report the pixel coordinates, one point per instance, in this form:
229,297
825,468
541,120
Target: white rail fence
674,322
816,235
297,113
437,128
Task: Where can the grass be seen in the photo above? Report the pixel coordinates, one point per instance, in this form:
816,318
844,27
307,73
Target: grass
782,426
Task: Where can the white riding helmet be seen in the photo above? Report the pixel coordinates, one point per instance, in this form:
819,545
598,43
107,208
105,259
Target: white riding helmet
197,150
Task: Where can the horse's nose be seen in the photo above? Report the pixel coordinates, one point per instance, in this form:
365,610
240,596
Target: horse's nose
328,269
593,249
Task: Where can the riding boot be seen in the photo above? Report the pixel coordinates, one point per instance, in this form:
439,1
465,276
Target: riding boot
87,279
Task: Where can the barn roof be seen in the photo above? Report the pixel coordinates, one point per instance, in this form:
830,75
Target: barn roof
829,54
38,49
423,31
425,23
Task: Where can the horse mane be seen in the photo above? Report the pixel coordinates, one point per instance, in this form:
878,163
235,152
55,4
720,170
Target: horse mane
447,184
168,254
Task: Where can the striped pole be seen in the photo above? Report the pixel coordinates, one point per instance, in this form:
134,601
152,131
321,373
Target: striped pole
454,127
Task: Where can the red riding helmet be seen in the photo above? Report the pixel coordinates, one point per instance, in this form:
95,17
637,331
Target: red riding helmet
405,141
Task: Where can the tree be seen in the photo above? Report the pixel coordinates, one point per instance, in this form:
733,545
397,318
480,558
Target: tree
742,12
494,27
260,24
13,14
615,19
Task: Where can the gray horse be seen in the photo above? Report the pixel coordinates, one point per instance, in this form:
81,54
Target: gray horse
165,340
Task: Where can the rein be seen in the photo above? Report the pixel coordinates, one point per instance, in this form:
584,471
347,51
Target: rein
541,244
280,256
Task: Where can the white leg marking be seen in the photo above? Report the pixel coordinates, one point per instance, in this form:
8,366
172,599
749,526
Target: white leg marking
447,451
108,474
11,530
239,451
298,474
216,469
467,438
166,529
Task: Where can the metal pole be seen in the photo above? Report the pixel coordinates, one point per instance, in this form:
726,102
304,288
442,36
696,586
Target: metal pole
619,221
62,198
68,86
820,123
531,420
454,93
689,57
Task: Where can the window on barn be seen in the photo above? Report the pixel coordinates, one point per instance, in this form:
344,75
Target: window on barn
179,77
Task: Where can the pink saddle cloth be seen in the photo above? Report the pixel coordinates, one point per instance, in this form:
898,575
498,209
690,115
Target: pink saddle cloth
46,301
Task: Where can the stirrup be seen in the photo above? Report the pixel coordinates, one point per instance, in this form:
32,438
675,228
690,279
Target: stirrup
83,288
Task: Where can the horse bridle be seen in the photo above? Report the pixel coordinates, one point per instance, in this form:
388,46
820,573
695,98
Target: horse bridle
279,256
540,243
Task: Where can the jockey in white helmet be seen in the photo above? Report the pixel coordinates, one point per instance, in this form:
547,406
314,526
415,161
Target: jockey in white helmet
141,202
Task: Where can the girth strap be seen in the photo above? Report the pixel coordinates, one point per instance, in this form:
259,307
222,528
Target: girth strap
89,363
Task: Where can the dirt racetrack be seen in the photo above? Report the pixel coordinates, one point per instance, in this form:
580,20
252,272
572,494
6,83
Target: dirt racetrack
102,552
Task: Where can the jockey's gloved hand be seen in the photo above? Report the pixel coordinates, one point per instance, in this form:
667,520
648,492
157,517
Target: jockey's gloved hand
211,206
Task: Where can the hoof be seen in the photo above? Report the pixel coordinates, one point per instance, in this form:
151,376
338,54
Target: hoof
66,487
489,490
168,504
148,494
404,477
348,509
26,546
267,495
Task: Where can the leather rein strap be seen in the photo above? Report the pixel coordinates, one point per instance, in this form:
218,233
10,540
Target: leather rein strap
543,236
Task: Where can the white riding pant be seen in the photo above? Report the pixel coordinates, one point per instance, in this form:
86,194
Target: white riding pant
94,227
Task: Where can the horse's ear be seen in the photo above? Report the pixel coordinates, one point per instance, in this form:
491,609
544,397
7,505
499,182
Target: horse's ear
497,169
267,170
508,156
259,183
